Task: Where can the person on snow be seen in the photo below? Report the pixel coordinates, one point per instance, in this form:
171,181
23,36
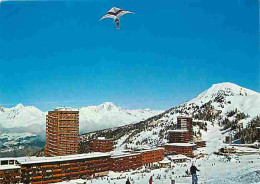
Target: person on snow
172,178
127,181
151,180
193,170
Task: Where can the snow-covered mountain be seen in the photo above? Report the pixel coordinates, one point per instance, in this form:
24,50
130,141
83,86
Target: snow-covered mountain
228,96
221,103
22,118
92,118
108,115
18,122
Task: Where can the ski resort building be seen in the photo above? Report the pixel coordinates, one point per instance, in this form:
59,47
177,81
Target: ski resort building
151,155
39,170
178,158
179,148
178,136
10,171
62,132
101,145
185,123
200,143
125,162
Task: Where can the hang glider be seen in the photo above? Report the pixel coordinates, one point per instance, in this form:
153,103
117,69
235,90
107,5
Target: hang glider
116,13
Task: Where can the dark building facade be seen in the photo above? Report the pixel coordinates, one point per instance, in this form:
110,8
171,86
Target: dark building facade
178,136
185,123
101,145
62,132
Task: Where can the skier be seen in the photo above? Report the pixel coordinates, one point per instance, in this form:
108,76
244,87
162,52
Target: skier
151,180
172,178
127,181
193,170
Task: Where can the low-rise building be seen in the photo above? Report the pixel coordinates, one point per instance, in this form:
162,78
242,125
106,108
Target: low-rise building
165,163
178,158
10,171
179,148
38,170
150,156
200,144
101,144
125,161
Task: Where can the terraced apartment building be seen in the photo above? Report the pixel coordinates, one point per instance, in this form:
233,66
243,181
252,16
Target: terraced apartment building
62,132
101,144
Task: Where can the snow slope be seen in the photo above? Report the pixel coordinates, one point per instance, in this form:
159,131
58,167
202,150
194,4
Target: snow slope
231,96
213,169
218,100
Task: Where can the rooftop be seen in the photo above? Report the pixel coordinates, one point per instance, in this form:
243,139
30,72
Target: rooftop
147,150
176,157
179,144
184,116
120,155
38,160
165,162
8,167
65,109
178,131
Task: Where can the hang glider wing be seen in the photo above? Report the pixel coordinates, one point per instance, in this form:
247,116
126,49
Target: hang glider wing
115,13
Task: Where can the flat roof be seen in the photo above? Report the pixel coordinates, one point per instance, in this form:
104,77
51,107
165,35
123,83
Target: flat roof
179,144
199,141
178,131
38,160
176,157
125,155
164,162
7,158
102,139
65,109
184,117
8,167
153,149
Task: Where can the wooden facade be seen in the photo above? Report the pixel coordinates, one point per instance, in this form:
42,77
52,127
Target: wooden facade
10,172
63,169
200,143
179,148
101,145
152,155
62,132
179,136
185,123
125,162
10,175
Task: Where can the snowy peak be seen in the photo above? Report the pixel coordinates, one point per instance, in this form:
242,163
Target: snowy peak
107,106
20,116
231,89
223,90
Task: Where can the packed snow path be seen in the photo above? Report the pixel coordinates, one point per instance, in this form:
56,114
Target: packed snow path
213,169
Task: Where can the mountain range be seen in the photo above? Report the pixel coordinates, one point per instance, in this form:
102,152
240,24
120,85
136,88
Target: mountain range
226,104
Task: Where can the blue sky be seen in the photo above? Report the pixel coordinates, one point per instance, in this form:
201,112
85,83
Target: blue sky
58,53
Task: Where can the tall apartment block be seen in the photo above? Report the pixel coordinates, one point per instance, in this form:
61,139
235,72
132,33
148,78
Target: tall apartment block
179,136
185,123
62,132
